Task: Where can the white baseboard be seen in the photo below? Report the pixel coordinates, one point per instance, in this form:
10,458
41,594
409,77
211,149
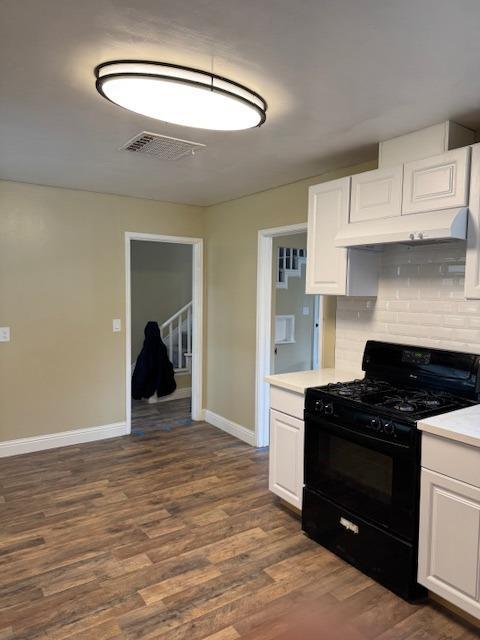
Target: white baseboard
178,394
62,439
234,429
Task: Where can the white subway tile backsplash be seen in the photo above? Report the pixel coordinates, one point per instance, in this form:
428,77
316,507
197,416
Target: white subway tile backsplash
420,301
473,321
468,306
420,318
454,321
386,316
397,305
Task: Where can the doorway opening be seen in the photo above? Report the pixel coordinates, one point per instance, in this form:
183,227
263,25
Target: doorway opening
288,320
164,287
295,313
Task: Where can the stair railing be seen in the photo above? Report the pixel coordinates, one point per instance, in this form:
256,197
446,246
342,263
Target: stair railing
289,264
176,332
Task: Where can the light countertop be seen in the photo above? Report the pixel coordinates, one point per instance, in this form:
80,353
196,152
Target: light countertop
462,425
298,381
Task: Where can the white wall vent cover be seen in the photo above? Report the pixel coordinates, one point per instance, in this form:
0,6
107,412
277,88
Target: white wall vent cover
163,147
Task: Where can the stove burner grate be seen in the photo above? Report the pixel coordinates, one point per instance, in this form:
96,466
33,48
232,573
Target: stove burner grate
382,394
404,407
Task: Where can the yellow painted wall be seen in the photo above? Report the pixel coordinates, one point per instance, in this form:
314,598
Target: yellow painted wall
231,237
61,284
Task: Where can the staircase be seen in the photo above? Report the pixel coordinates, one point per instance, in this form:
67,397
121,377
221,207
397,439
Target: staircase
176,333
289,265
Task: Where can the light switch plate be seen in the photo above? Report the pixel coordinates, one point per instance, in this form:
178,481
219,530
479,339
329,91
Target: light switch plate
117,325
306,311
4,334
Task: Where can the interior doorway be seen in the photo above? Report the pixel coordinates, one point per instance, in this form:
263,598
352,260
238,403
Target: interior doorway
164,286
295,314
267,272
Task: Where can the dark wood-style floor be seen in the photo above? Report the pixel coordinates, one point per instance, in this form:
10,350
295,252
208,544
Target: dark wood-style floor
171,533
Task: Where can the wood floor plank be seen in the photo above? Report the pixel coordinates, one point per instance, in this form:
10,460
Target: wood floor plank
228,633
172,533
170,586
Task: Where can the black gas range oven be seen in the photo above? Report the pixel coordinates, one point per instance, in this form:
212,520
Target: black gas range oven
362,456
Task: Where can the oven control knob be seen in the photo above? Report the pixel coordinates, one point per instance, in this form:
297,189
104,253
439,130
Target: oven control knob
375,424
319,405
389,428
328,409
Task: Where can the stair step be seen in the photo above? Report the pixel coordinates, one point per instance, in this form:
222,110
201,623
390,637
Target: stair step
290,261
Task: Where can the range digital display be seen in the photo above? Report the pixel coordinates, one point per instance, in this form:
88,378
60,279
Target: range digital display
413,356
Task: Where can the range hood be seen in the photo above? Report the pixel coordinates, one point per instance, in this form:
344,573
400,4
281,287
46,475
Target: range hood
435,226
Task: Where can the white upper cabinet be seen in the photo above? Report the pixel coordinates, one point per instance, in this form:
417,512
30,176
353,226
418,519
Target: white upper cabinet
328,206
376,194
436,183
349,216
332,270
472,264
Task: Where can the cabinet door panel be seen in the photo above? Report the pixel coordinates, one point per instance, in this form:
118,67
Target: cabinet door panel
449,540
376,194
286,457
328,208
436,183
472,265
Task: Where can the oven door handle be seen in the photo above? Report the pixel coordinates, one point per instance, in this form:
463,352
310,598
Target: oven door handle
355,436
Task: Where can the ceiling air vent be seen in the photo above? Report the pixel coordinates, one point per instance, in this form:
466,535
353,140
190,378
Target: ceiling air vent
163,147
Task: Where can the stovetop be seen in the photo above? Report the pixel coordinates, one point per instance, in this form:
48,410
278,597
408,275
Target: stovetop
401,402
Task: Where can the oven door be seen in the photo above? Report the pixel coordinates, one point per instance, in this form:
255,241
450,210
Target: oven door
373,478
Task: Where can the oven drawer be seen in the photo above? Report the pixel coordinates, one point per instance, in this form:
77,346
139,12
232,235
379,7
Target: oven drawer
381,555
454,459
288,402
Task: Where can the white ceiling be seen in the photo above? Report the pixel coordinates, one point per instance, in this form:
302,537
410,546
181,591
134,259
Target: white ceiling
338,76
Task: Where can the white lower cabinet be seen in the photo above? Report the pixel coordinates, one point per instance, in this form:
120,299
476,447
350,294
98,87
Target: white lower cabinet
449,539
286,457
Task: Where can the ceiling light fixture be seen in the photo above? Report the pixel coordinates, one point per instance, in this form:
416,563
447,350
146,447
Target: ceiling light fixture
180,95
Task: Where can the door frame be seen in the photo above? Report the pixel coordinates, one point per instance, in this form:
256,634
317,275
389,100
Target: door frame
264,326
197,318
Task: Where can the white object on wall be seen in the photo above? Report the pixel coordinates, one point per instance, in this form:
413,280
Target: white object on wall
62,439
285,329
4,334
116,325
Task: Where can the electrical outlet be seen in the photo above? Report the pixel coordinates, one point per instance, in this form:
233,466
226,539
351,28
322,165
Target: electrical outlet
4,334
117,325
